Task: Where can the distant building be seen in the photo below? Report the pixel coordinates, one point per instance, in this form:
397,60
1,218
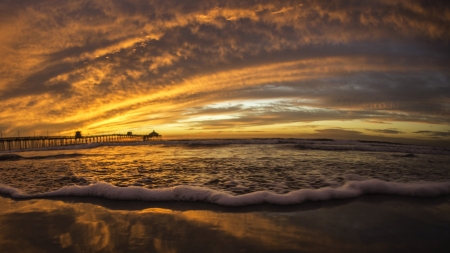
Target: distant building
78,134
130,133
152,136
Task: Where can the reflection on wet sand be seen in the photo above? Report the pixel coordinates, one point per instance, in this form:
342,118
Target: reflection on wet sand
258,229
53,225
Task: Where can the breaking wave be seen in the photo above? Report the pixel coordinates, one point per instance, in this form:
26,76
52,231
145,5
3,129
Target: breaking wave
13,157
191,193
302,144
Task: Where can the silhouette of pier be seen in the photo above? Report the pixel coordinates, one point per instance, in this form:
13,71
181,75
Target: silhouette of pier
152,136
20,143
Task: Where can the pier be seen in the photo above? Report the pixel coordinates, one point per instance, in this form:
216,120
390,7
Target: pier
20,143
153,136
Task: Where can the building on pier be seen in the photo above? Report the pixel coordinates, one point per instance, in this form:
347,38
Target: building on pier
152,136
78,134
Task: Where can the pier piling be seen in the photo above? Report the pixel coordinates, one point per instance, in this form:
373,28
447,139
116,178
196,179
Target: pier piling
21,143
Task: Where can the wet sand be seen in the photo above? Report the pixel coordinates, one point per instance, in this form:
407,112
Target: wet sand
372,223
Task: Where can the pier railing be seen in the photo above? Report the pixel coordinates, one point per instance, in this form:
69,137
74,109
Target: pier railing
19,143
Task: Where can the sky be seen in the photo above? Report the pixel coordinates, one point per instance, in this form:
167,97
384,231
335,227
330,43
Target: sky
353,69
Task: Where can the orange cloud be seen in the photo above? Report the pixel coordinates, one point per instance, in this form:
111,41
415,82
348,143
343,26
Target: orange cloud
109,65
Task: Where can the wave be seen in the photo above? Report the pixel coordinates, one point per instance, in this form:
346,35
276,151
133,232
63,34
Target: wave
300,144
191,193
58,156
14,157
10,157
318,144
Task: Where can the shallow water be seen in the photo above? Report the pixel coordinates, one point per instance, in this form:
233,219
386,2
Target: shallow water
368,224
234,167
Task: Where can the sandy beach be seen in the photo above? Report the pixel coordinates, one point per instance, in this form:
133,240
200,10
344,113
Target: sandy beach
373,223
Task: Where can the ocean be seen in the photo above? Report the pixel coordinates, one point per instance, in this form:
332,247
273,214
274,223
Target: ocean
229,172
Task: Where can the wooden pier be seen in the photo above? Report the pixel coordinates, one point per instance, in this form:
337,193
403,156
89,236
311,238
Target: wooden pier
20,143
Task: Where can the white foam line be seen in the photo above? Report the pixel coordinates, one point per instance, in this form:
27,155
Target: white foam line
192,193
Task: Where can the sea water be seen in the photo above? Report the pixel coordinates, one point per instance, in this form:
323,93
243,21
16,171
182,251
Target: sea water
228,172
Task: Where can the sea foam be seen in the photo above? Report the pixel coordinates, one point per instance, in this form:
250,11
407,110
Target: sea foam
191,193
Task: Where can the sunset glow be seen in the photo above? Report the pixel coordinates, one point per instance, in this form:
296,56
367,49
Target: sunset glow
366,70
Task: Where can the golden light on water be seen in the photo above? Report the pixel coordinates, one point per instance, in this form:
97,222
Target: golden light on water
93,227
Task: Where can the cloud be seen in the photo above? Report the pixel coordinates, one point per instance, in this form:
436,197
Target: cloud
118,64
434,133
340,133
386,131
268,113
